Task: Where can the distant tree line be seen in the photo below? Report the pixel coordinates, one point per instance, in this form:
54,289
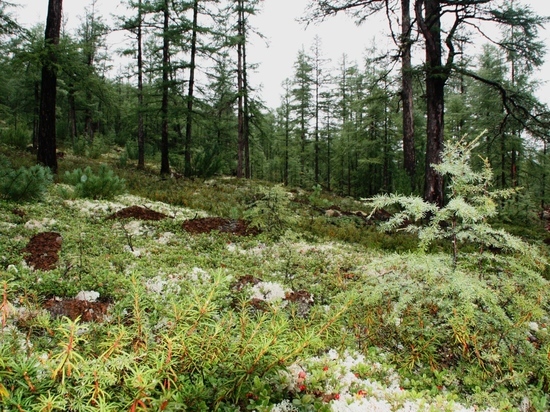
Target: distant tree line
185,103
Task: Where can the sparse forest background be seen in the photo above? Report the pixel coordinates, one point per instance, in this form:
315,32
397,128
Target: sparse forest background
184,104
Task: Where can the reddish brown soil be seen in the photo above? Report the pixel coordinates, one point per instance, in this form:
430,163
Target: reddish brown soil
299,296
139,213
73,308
236,227
42,251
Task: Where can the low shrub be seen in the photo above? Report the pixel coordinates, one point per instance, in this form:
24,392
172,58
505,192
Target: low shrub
103,185
18,138
25,183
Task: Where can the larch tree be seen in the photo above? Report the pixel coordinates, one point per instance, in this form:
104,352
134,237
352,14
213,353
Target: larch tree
135,25
302,102
164,148
47,145
91,32
319,82
440,48
191,90
407,97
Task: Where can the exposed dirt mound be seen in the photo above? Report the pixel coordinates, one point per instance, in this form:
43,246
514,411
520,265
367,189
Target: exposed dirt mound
236,227
139,213
42,251
73,308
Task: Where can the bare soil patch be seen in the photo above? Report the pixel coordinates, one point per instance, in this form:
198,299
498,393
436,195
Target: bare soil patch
236,227
74,308
138,213
42,251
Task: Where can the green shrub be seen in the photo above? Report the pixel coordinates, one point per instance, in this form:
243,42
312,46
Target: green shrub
472,322
131,150
25,183
271,211
103,185
178,348
92,149
18,138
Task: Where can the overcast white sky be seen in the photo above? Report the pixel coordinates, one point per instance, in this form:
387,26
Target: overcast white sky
284,37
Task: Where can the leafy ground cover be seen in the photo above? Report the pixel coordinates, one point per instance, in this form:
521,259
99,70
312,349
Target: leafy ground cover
233,295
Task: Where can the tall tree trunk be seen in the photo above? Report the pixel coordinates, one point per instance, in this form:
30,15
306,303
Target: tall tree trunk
140,130
164,162
329,152
240,97
543,182
36,116
407,92
190,91
246,106
316,149
46,130
72,114
436,76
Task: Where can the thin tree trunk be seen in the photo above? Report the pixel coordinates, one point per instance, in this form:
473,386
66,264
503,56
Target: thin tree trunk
165,164
246,106
46,130
36,116
240,114
543,184
190,92
72,115
287,143
240,98
503,160
140,130
316,160
329,153
407,92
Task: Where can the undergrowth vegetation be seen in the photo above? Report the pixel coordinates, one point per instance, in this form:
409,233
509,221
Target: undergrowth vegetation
318,312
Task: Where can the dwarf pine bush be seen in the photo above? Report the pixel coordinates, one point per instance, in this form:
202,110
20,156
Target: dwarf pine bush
103,185
25,183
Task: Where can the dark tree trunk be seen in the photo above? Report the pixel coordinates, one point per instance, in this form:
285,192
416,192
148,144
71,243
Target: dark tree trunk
240,99
164,162
246,106
316,149
287,143
436,76
140,130
36,116
46,130
190,92
329,153
72,115
407,92
543,180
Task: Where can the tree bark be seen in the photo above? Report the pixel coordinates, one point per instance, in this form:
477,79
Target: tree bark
246,106
436,76
240,97
190,91
72,114
46,130
407,92
140,130
164,162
